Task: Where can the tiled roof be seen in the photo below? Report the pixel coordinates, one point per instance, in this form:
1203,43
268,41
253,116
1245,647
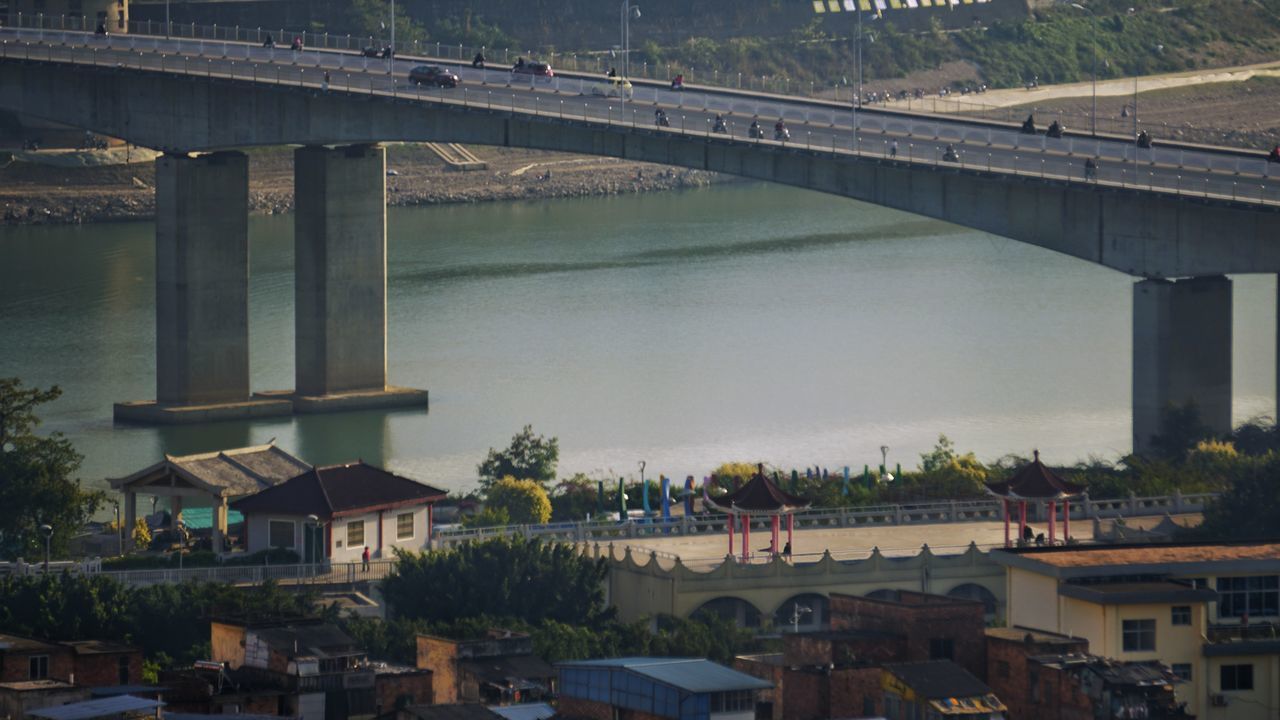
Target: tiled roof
1101,555
337,490
228,473
1034,481
760,495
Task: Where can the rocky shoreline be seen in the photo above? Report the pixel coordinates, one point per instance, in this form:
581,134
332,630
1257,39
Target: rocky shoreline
31,194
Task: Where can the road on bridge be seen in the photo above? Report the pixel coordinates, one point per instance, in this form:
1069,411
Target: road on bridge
815,125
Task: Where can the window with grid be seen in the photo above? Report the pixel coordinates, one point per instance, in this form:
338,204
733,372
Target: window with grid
280,533
1253,596
1138,635
355,533
1180,614
1236,677
404,526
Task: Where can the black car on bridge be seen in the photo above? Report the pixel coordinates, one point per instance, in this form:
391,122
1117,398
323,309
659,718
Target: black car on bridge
433,75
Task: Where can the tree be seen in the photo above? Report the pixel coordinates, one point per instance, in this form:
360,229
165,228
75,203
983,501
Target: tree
1249,506
528,457
524,501
1181,428
941,455
505,577
37,487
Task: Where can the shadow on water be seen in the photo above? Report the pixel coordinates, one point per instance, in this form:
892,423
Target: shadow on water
345,437
679,255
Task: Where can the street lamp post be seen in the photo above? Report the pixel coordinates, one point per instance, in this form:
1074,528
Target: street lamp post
628,11
166,18
798,611
47,529
857,101
1093,24
391,50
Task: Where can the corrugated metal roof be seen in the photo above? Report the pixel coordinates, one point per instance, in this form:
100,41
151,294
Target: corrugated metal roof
527,711
694,675
100,707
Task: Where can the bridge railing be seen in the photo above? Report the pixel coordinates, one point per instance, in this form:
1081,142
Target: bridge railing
835,88
328,573
945,511
826,130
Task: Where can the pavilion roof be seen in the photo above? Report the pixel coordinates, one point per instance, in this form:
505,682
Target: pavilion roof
1034,481
761,496
223,473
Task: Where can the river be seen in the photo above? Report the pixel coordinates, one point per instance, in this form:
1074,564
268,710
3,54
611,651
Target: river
739,322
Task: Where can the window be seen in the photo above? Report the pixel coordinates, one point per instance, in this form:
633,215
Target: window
404,526
122,664
942,649
39,667
1182,670
1138,635
280,533
1180,614
1236,677
1252,596
355,533
732,702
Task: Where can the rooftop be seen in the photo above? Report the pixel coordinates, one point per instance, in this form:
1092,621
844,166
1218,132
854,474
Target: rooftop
1040,637
1136,593
319,640
1114,672
101,707
226,473
694,675
1086,560
339,490
17,643
98,647
462,711
938,679
760,495
36,685
525,711
1034,481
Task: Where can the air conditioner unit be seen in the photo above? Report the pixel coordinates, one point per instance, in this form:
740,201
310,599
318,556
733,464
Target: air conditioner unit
1218,700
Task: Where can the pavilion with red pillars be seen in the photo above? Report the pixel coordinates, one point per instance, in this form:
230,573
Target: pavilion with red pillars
1036,483
757,498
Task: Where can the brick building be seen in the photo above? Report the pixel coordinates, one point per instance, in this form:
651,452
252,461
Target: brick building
931,627
88,663
497,669
838,673
1048,676
937,689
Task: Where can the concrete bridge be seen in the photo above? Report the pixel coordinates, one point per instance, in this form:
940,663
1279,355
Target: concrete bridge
1179,217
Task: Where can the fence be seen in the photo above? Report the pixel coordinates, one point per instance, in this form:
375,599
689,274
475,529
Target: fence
827,129
599,62
947,511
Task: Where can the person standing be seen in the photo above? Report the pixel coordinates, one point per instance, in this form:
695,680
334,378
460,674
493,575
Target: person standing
326,81
364,559
893,149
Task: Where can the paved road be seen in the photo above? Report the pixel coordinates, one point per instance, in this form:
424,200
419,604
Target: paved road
814,125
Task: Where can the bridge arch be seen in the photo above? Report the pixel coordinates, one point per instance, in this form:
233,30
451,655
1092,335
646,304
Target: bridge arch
979,593
817,618
742,612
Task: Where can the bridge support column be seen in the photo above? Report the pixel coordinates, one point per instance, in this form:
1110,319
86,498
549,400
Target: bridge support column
202,294
340,249
1181,353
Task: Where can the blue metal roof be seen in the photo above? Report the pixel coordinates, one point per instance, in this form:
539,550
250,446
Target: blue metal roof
695,675
101,707
527,711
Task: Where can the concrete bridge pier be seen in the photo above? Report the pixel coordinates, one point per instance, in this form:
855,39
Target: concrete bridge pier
1181,352
202,294
340,267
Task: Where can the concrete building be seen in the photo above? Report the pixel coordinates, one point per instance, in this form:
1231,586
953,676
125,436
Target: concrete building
638,688
70,14
87,663
497,669
213,479
354,506
1208,610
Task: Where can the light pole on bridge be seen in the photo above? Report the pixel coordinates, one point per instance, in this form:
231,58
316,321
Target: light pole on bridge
1093,22
628,11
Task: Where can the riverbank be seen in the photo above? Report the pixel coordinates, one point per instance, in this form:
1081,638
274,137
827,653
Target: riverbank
40,193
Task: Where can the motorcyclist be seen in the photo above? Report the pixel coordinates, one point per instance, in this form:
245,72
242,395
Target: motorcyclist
719,125
660,118
478,60
101,29
755,131
270,42
1029,125
613,72
1090,169
1275,155
1144,140
297,44
678,82
387,52
1055,129
950,154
